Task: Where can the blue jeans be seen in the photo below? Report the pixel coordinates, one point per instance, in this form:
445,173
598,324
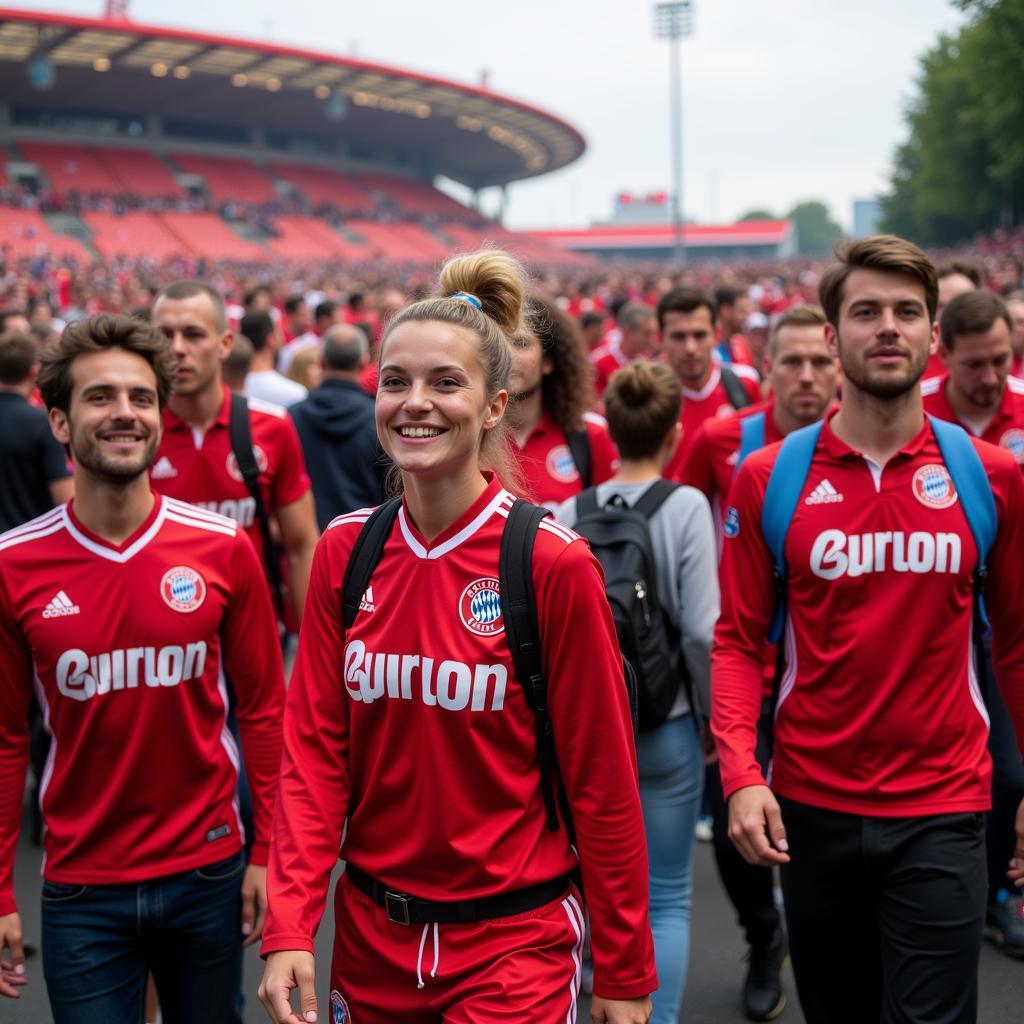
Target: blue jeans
99,942
671,765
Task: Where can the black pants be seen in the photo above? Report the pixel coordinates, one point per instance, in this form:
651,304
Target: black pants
885,915
750,888
1007,788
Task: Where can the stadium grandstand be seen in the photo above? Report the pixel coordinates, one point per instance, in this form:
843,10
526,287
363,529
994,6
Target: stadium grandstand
122,140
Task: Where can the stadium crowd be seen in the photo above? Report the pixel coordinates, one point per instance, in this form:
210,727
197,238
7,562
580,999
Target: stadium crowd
225,429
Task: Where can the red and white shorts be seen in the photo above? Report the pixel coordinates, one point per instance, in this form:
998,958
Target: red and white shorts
521,968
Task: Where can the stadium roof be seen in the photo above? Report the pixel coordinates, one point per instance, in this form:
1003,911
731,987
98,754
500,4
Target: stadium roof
471,135
650,236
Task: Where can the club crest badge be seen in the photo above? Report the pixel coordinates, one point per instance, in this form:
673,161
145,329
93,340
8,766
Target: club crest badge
261,463
731,525
561,466
1013,442
183,589
340,1013
933,486
480,607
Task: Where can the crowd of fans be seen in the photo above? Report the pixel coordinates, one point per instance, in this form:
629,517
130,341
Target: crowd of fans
682,362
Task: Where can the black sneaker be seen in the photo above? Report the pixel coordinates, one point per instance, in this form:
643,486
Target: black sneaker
763,998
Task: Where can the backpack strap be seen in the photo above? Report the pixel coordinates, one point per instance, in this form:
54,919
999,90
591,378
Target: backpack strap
654,497
519,611
586,502
365,555
975,492
240,431
579,448
734,389
788,476
752,437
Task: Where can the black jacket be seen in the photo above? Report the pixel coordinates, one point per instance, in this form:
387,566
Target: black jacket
339,441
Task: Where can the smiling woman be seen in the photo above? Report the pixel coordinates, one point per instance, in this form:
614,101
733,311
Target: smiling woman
452,355
407,720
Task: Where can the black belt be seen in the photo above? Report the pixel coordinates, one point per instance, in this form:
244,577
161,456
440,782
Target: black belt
402,908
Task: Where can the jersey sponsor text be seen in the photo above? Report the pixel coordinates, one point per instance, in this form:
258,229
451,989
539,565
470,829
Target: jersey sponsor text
81,676
834,554
241,510
450,685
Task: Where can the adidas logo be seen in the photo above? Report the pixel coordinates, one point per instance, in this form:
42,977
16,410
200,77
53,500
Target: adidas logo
366,604
60,606
823,494
163,469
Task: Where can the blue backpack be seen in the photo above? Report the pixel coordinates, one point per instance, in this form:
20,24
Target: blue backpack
789,474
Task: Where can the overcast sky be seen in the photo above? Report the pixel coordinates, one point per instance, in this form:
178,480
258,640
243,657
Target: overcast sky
782,101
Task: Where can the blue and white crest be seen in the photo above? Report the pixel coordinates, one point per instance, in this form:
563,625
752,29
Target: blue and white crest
480,607
340,1013
731,526
933,486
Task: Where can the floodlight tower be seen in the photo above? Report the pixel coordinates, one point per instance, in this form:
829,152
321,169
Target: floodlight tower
674,21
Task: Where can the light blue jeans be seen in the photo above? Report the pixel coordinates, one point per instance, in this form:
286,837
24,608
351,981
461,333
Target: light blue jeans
671,764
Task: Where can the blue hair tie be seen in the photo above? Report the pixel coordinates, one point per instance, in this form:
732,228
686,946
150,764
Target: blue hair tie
466,297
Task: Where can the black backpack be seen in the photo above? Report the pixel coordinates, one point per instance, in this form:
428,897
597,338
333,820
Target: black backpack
734,389
519,611
620,538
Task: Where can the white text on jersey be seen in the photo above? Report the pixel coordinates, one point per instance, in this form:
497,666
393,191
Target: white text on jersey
82,677
835,554
452,686
243,511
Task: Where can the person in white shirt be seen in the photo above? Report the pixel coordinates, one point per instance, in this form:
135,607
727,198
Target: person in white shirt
263,381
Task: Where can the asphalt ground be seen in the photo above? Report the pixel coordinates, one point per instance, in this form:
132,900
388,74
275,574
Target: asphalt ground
712,992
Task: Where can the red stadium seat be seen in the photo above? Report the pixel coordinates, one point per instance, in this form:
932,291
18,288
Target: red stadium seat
71,168
24,233
324,185
411,196
135,234
305,238
139,172
207,235
229,179
400,243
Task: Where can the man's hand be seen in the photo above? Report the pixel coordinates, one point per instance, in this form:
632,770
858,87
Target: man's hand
254,903
755,826
1016,872
620,1011
286,970
12,956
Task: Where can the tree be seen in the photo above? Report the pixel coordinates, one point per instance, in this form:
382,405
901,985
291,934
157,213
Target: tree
961,170
815,228
758,215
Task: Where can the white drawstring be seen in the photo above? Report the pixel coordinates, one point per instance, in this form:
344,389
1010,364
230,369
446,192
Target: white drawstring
419,956
437,953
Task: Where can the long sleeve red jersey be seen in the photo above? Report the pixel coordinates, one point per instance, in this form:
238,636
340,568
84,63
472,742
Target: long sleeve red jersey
414,728
879,710
127,647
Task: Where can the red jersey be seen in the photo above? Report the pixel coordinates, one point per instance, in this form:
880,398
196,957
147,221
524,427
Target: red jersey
201,468
127,647
550,474
709,463
414,727
710,402
879,711
1005,429
606,359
